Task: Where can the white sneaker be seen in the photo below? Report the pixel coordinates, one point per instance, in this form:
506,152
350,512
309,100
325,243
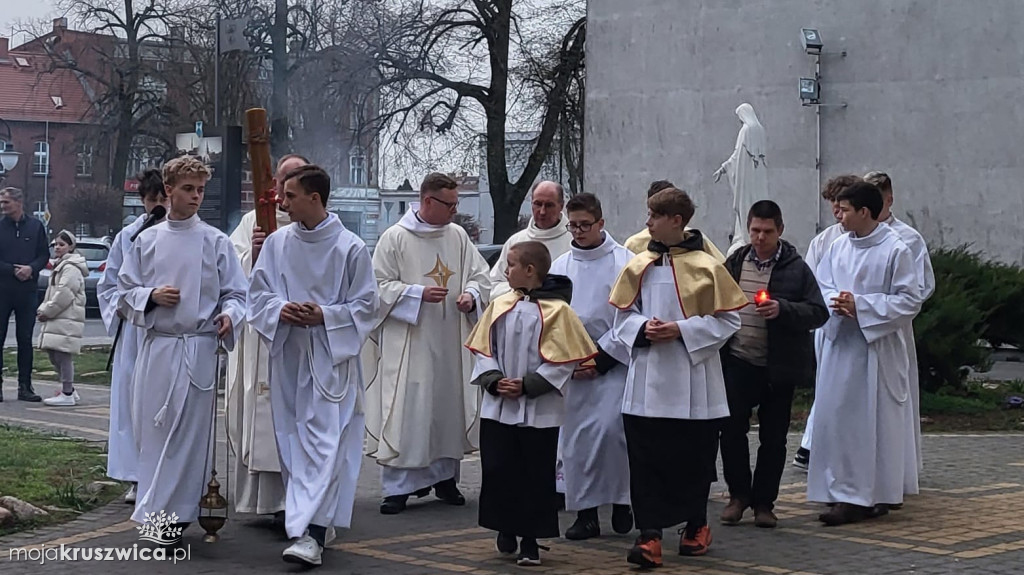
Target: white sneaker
61,400
130,496
305,551
330,536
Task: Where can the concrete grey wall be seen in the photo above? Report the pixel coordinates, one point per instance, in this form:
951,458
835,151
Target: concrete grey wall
934,92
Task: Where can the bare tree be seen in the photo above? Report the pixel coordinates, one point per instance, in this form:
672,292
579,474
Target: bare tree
438,61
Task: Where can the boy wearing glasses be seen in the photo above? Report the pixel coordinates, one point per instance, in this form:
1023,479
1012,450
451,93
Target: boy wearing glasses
433,283
593,444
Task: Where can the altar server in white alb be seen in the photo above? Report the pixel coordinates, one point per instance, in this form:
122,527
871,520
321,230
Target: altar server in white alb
122,451
182,285
421,416
925,280
593,443
815,251
864,448
313,298
256,483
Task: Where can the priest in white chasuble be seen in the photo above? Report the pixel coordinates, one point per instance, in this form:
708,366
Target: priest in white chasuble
593,443
255,479
182,285
122,450
547,226
313,299
638,242
864,448
421,412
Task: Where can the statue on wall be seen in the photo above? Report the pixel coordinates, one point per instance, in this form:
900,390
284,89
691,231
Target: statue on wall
748,175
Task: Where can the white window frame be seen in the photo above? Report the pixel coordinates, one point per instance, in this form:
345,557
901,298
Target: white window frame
357,167
41,155
84,161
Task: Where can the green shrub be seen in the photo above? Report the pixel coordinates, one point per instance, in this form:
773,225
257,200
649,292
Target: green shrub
974,300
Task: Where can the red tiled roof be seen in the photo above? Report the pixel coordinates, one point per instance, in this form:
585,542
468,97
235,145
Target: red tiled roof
27,91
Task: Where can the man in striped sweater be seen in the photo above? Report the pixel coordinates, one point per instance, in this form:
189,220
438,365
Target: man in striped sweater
771,354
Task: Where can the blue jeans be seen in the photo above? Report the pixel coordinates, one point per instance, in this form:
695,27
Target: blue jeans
23,304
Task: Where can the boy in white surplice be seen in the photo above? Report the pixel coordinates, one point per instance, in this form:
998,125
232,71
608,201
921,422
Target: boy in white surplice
526,345
676,309
593,444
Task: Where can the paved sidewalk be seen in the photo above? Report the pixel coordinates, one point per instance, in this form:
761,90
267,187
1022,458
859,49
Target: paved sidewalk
966,520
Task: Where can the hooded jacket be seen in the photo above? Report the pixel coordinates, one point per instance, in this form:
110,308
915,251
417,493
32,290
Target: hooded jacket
62,312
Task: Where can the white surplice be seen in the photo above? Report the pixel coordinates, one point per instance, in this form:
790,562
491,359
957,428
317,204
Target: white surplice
514,339
926,283
592,442
864,451
122,452
421,411
557,239
680,379
256,485
815,251
175,375
316,380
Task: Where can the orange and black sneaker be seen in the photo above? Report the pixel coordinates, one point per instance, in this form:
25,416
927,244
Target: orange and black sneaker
696,543
646,552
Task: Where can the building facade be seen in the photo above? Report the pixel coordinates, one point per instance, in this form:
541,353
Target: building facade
925,91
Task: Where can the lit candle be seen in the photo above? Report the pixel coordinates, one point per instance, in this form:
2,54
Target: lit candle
761,297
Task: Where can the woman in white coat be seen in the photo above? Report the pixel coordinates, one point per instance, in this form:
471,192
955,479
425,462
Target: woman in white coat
61,316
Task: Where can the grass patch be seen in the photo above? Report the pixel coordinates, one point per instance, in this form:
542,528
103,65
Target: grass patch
979,406
47,469
90,365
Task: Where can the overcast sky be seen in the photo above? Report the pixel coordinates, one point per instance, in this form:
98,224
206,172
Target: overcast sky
11,11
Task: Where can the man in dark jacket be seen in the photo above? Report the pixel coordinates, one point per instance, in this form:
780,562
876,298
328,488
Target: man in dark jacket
23,253
771,354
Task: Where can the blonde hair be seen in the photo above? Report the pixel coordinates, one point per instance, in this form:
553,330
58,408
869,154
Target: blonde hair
184,167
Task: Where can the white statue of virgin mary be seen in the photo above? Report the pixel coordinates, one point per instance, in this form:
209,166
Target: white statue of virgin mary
746,170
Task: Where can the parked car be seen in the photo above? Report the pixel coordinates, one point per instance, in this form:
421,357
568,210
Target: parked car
491,252
95,252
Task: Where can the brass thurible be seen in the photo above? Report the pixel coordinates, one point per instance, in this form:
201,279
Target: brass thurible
213,507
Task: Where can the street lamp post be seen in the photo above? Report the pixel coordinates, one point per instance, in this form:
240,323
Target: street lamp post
8,158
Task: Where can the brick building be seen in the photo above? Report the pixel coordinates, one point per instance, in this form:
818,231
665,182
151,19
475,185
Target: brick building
47,119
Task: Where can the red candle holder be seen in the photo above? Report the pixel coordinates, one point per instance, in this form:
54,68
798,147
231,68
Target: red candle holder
761,296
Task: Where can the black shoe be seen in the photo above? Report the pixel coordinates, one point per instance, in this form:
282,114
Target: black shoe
448,492
506,544
585,527
622,519
422,493
393,504
529,553
29,395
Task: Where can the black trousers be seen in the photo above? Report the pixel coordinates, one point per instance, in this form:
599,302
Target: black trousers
750,386
22,303
517,494
671,466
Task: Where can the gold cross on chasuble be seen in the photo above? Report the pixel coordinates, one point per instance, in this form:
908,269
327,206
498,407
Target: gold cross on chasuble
440,274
